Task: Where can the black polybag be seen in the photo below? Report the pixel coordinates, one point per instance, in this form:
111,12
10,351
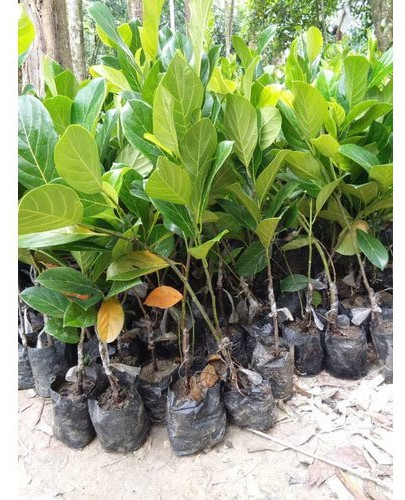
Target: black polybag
25,376
46,364
308,352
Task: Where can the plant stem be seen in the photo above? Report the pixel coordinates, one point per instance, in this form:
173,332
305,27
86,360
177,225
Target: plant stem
213,301
273,304
23,336
184,329
105,358
80,362
221,293
309,297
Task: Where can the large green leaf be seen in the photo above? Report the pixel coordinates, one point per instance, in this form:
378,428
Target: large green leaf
77,160
169,182
76,316
364,192
304,165
246,201
149,31
240,123
45,301
187,91
136,119
36,141
122,286
199,13
314,42
383,174
66,84
197,149
373,249
376,111
131,156
325,193
266,179
59,107
164,127
116,80
293,283
327,145
252,260
134,265
201,251
310,108
356,72
359,155
270,126
266,229
48,207
68,335
105,131
177,215
242,50
68,280
88,102
57,237
247,78
382,69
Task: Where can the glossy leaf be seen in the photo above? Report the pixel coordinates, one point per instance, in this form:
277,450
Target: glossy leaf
164,127
383,174
149,31
242,50
110,320
270,120
177,215
45,301
355,78
59,107
240,123
199,13
48,207
373,249
69,281
365,192
293,283
163,297
76,316
122,286
36,141
169,182
327,145
299,242
266,179
304,165
266,230
134,265
252,260
197,149
88,102
359,155
77,160
325,193
201,251
63,236
314,42
310,108
67,335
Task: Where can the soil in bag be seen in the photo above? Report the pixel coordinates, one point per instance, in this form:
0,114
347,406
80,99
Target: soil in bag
71,420
382,337
25,376
122,424
251,406
278,370
346,352
153,385
46,364
308,352
195,420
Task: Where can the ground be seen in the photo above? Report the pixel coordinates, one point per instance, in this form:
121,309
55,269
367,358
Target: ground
349,422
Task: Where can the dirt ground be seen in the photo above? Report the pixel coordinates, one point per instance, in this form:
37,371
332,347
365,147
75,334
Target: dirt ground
349,422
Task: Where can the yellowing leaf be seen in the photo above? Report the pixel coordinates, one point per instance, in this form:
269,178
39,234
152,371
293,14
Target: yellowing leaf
110,320
163,297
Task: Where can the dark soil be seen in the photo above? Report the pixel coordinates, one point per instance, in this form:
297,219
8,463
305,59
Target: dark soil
351,332
165,368
70,390
108,401
180,390
302,326
272,355
125,359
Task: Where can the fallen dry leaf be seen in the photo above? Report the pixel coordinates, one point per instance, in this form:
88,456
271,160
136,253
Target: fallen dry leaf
195,389
209,376
163,297
351,456
319,472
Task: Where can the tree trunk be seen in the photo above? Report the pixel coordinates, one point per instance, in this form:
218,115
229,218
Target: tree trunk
381,13
228,26
75,19
187,13
52,39
172,16
135,9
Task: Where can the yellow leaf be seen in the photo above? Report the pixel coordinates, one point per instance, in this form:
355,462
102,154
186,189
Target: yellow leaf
163,297
110,320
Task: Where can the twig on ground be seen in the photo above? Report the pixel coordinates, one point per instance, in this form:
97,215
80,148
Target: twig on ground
114,462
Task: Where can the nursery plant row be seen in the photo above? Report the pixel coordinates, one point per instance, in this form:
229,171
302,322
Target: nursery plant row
193,228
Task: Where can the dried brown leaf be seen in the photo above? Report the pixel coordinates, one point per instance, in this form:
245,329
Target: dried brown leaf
195,389
319,472
209,376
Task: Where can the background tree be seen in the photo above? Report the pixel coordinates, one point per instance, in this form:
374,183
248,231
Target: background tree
135,9
76,37
381,13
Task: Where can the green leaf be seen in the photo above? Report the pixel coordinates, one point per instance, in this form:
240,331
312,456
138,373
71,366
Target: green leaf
356,72
66,84
373,249
68,335
357,110
265,38
270,95
68,280
252,260
136,205
314,42
197,149
376,111
293,283
199,13
87,104
325,193
310,108
48,207
270,119
134,265
26,30
240,123
201,251
76,316
327,145
177,215
104,132
299,242
36,141
359,155
136,119
59,107
246,201
57,237
266,179
248,78
161,240
116,80
304,165
122,286
266,229
242,50
77,160
149,31
187,92
131,156
382,69
45,301
376,205
169,182
164,127
364,192
383,174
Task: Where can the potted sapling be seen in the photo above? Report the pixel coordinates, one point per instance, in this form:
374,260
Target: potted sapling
115,405
155,376
25,376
